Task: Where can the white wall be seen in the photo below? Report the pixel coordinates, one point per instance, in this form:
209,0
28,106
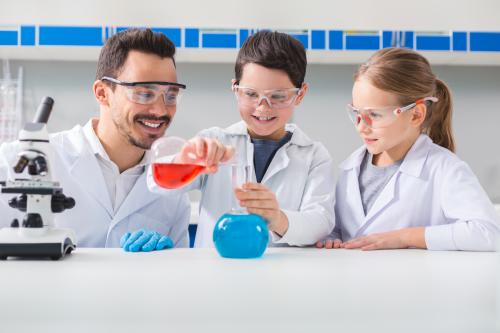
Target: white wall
276,14
208,102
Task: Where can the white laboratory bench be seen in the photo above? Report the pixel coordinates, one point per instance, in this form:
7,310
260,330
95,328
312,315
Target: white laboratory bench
287,290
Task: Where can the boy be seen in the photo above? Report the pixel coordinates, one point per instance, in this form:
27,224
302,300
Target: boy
292,187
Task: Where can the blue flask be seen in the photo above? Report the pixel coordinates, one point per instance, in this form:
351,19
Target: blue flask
241,235
238,234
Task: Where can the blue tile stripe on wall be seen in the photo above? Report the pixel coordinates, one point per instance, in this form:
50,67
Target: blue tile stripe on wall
302,37
9,37
192,37
70,36
314,39
336,40
433,42
459,41
485,41
318,39
211,39
28,35
362,41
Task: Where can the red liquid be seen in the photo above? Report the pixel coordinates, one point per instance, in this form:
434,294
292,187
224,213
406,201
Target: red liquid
172,175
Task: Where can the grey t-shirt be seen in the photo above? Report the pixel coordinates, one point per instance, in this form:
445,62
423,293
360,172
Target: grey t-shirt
372,180
264,151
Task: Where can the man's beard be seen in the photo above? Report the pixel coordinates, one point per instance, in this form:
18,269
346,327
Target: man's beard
144,143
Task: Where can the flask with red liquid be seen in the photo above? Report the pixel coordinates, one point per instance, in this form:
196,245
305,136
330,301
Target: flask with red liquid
171,174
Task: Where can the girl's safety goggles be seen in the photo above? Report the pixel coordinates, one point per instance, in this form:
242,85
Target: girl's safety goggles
381,117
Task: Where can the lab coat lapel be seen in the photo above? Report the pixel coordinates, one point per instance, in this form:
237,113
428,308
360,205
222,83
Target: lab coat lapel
244,156
412,166
384,199
279,162
355,196
86,165
138,197
351,167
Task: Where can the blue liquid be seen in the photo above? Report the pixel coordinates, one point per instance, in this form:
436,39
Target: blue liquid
241,236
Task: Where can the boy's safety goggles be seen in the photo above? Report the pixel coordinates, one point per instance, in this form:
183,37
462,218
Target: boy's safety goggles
276,99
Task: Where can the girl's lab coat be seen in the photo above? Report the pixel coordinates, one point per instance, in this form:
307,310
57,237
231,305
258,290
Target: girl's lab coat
300,175
93,219
432,188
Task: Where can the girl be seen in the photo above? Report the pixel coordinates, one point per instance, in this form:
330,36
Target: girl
405,187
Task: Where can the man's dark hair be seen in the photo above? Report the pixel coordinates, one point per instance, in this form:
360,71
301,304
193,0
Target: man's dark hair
274,50
114,53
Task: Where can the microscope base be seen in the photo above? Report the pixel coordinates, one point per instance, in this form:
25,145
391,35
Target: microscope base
36,243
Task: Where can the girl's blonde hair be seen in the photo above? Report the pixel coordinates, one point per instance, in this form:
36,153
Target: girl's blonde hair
409,76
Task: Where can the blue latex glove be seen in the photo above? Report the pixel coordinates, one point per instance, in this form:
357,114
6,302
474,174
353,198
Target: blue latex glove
145,241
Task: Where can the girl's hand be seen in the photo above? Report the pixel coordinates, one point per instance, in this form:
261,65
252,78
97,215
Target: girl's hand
398,239
330,244
258,199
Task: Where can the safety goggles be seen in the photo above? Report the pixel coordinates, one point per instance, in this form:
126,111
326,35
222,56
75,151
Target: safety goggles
148,92
382,117
276,99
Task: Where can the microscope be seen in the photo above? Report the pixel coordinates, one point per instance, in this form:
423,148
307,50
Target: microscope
39,196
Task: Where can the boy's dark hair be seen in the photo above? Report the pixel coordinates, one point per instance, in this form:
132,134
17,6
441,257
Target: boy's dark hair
274,50
114,53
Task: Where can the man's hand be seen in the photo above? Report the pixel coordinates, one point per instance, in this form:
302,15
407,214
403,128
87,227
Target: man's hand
145,241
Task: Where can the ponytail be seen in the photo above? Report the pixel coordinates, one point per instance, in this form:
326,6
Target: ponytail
439,127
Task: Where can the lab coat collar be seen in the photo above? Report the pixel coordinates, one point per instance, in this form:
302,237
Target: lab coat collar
97,148
299,138
92,139
354,160
413,162
86,164
138,197
412,165
281,159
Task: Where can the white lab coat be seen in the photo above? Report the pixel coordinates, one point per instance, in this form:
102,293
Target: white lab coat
432,188
300,175
93,219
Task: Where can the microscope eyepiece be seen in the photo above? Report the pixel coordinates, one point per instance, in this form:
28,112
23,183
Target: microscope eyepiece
43,112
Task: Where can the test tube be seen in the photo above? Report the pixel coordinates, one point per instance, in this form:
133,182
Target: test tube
240,174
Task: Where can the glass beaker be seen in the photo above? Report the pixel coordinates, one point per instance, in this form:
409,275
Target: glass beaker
238,234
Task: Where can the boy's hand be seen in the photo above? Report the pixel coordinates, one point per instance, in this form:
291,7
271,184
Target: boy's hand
206,151
330,244
258,199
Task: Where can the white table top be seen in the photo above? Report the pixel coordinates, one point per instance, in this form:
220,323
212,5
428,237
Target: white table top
288,290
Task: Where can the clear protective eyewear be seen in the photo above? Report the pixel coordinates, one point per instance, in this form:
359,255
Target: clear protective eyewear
382,117
148,92
276,99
